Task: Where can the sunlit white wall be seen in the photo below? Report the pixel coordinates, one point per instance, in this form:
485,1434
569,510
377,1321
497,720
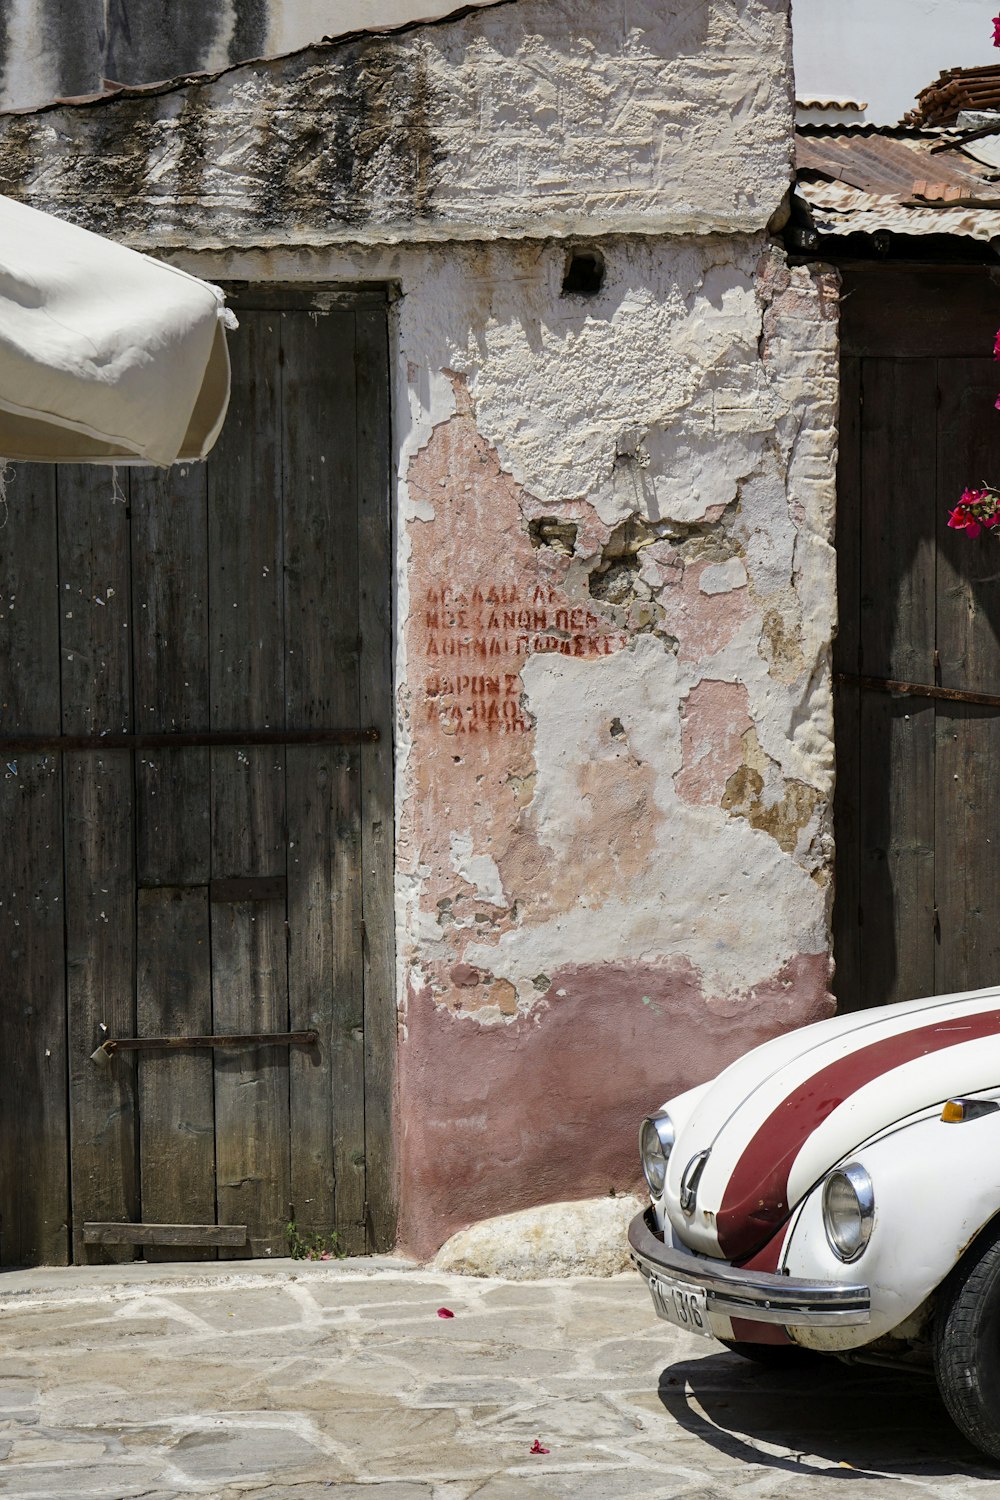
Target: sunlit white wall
886,51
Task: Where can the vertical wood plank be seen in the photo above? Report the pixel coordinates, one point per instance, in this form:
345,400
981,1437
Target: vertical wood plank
170,644
378,835
34,1182
847,980
896,640
968,737
327,1100
249,959
173,855
100,878
176,1097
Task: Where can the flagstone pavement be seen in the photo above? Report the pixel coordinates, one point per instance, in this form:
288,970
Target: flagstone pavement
309,1381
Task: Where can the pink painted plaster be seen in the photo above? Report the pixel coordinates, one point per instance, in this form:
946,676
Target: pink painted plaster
484,599
547,1107
704,623
714,719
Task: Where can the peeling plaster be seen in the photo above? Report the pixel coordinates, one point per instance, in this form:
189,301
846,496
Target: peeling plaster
709,909
480,870
625,759
614,574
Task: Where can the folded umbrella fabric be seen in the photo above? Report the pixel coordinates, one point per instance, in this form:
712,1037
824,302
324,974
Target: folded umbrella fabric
106,355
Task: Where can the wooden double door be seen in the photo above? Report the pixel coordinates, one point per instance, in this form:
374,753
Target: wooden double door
196,822
918,650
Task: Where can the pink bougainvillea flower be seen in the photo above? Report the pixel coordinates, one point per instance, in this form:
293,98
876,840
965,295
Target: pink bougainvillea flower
996,341
536,1447
990,521
996,31
445,1312
997,403
961,519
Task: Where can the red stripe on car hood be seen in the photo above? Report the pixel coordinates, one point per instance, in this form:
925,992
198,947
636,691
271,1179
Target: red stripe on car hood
755,1201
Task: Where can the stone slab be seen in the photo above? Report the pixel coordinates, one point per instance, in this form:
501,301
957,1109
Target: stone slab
587,1238
400,1404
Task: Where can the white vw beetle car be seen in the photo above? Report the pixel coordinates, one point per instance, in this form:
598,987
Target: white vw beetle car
839,1188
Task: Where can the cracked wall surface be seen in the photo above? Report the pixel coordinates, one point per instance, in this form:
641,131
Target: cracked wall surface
614,579
531,118
614,852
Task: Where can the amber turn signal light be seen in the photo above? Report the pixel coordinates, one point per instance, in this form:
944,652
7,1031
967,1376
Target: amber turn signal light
957,1111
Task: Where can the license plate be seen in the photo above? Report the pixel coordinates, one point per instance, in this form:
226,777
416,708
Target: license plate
684,1306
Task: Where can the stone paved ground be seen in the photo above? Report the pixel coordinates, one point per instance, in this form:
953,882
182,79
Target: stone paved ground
310,1381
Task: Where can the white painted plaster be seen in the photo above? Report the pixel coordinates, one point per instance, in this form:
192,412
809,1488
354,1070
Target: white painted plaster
715,891
31,72
722,578
480,870
661,361
295,23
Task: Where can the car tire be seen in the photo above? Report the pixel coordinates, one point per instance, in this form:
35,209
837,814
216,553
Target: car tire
967,1345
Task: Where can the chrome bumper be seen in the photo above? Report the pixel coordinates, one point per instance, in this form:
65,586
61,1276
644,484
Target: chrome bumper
759,1296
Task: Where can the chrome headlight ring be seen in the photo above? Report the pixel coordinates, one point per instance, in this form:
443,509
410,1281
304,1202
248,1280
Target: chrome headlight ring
848,1211
656,1141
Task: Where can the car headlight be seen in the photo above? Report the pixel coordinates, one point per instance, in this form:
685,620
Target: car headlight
848,1210
656,1141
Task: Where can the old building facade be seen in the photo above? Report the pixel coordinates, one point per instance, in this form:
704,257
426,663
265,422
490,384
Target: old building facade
609,491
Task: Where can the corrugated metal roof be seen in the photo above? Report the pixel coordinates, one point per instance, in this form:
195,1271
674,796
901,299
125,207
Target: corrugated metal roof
845,211
910,182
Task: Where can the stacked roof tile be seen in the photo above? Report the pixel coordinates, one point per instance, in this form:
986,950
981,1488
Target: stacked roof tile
955,90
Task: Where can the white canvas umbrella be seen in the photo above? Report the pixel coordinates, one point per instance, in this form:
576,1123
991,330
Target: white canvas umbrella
106,356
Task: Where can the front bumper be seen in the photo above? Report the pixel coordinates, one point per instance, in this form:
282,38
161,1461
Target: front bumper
757,1296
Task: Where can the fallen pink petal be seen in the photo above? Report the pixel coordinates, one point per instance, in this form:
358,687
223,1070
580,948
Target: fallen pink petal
536,1447
445,1312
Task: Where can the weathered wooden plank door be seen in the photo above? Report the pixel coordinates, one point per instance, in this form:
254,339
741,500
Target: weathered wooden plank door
223,866
917,804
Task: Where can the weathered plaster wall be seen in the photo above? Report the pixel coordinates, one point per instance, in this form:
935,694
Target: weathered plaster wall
528,119
614,697
52,49
615,598
614,579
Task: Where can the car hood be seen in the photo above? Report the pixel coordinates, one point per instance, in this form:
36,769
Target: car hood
770,1126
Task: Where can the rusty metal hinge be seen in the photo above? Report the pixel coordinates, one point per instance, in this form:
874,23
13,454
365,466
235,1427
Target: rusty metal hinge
918,690
107,1050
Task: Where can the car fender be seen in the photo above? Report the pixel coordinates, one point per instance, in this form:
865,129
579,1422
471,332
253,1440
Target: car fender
936,1185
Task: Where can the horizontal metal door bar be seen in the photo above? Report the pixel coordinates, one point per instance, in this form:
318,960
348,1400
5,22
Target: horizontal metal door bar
234,888
39,744
164,1234
158,1043
917,689
248,888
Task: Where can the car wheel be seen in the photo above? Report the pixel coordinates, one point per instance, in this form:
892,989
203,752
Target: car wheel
967,1345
